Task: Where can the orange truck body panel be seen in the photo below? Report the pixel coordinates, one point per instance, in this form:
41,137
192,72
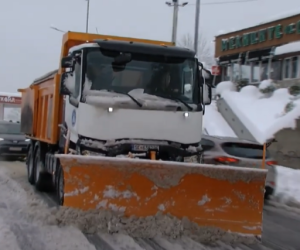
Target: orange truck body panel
42,105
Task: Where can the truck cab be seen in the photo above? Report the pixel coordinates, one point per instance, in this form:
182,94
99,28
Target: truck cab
131,97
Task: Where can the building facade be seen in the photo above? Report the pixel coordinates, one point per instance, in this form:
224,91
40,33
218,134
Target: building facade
269,50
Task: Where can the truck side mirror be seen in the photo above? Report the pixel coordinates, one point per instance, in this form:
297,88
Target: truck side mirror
207,94
63,90
208,77
205,80
67,62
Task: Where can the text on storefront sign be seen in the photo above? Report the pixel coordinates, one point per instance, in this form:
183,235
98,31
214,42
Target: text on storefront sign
260,36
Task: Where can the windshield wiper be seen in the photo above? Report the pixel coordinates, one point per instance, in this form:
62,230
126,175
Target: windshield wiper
184,103
176,99
131,97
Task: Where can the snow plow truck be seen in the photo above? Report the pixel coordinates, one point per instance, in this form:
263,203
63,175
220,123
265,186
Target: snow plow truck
118,127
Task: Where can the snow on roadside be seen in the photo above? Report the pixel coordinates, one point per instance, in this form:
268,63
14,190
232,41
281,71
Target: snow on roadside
271,116
287,186
17,231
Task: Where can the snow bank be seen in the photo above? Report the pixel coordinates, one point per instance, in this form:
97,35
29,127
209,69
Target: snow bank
23,222
262,116
265,84
251,92
222,87
287,186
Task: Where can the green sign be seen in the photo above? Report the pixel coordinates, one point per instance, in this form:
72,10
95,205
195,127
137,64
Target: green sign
260,36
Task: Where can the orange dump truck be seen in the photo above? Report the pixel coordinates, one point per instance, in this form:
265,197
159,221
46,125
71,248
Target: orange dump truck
118,127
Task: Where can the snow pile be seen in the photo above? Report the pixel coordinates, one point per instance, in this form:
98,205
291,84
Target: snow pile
265,84
263,115
251,92
222,87
287,186
214,123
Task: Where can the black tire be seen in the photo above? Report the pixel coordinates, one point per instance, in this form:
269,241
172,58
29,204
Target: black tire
60,186
30,167
268,193
42,179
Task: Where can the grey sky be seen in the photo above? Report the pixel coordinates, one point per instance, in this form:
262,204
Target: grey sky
30,48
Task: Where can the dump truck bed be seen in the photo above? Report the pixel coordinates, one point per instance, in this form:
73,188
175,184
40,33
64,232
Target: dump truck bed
41,108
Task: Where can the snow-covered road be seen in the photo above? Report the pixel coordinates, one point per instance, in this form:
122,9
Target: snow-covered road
24,223
27,222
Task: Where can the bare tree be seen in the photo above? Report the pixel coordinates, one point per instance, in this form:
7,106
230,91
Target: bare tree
204,51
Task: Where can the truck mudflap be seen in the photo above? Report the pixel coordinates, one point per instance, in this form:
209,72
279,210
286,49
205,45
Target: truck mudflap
229,198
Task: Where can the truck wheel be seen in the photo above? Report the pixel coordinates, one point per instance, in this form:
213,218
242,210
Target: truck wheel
30,167
60,187
268,192
42,179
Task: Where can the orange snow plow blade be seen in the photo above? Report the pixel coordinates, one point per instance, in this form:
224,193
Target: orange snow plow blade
229,198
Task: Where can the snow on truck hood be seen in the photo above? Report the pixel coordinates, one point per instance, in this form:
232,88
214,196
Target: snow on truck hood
112,99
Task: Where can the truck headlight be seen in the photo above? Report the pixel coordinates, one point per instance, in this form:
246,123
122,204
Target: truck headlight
110,109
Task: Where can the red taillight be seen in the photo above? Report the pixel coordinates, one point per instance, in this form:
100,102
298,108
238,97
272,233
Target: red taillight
226,160
271,163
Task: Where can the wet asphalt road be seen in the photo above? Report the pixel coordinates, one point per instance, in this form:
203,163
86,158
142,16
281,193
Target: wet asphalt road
281,230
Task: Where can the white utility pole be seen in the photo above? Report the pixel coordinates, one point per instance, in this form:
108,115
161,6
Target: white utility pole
197,20
87,16
175,20
175,4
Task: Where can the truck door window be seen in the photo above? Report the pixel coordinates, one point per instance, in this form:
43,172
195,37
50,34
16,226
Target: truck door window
188,80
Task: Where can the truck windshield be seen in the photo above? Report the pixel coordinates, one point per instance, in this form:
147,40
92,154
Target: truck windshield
170,77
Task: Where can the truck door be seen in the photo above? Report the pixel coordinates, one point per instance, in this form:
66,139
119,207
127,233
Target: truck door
73,83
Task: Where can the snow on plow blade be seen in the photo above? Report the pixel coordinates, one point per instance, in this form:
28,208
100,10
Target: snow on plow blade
230,198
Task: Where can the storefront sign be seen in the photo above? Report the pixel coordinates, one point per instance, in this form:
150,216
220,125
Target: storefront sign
10,99
216,70
260,36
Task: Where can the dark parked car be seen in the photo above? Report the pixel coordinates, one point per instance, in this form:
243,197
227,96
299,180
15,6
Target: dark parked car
236,152
13,144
